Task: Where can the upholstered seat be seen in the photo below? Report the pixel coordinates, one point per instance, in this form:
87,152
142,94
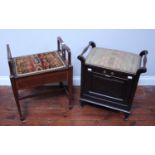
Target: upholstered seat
37,63
114,59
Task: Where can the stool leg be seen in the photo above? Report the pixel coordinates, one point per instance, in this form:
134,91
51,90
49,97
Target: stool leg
15,92
82,103
70,87
126,116
61,84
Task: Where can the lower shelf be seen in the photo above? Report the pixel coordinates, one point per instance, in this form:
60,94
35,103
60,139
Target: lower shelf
105,104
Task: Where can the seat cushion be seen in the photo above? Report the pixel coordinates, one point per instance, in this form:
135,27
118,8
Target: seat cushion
38,63
114,60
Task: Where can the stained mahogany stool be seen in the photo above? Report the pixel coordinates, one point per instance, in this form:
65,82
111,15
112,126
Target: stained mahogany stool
39,69
109,77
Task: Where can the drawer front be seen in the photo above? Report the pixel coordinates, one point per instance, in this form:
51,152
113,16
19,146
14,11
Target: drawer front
107,85
36,80
108,73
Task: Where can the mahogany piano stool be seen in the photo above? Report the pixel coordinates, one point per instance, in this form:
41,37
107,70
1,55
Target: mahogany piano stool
40,69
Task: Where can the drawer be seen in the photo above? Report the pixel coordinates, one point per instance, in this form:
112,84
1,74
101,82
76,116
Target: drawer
109,73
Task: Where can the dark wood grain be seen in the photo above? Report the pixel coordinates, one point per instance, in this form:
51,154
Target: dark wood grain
52,109
107,87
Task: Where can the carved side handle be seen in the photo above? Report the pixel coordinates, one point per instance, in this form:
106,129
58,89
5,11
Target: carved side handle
143,54
81,57
63,48
9,56
10,61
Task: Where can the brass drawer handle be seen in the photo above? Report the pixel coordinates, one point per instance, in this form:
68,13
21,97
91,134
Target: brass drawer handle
112,73
106,75
89,69
104,72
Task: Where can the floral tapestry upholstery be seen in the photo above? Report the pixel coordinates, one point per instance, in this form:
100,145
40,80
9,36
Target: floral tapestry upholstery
38,63
113,59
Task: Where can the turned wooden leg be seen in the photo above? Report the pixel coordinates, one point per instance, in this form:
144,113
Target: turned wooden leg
126,116
61,84
15,92
70,87
82,103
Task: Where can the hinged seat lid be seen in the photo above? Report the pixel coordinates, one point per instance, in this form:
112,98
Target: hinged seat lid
114,60
38,63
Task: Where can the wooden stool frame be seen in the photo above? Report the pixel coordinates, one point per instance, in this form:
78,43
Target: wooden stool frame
91,73
30,81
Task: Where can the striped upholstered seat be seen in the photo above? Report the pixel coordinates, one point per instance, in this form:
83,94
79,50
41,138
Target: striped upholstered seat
38,63
114,60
